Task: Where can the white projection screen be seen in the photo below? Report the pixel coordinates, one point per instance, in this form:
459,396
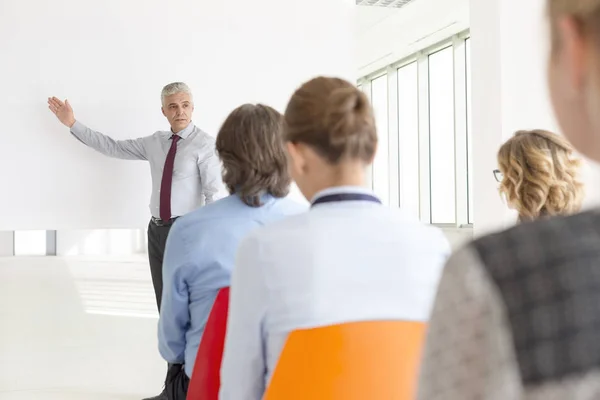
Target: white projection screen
111,58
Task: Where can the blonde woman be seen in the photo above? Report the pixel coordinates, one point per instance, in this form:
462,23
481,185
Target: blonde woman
517,314
539,175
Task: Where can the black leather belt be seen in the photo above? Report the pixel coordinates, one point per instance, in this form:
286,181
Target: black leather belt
160,222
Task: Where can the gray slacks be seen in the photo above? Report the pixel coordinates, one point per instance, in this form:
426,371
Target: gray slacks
157,240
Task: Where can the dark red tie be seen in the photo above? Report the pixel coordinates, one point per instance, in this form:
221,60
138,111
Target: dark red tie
167,180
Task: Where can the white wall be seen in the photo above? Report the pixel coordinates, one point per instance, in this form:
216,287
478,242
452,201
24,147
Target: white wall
111,59
112,242
386,35
30,243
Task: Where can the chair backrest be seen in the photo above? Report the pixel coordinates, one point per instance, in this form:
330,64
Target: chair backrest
351,361
206,381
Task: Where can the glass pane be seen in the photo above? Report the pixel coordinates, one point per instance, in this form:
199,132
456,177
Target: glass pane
441,125
469,132
30,243
408,127
381,173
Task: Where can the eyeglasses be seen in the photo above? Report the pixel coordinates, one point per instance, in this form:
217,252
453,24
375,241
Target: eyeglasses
498,175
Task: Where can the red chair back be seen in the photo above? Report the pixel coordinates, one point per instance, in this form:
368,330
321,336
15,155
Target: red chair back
206,381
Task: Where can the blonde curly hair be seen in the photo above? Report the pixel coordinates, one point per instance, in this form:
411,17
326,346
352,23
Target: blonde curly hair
540,175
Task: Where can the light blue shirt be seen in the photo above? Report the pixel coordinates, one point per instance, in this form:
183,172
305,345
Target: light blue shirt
199,258
341,262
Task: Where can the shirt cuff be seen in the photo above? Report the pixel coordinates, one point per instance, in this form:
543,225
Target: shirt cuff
78,129
170,356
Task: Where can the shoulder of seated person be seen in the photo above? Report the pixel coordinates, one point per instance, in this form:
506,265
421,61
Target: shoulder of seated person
287,224
531,244
559,226
207,211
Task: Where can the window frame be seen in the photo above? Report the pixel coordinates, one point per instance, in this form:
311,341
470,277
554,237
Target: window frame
461,170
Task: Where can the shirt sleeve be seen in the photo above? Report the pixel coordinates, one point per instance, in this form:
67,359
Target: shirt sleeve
469,353
244,369
132,149
174,315
209,167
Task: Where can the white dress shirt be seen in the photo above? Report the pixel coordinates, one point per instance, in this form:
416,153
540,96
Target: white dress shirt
196,173
340,262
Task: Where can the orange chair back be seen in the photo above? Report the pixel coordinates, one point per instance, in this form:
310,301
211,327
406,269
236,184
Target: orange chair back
206,380
351,361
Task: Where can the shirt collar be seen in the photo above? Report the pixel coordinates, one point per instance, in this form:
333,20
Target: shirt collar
184,133
264,196
342,189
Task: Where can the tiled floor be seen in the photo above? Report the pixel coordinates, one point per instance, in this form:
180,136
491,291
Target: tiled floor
77,328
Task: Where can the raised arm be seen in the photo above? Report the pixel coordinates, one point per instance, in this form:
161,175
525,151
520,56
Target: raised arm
132,149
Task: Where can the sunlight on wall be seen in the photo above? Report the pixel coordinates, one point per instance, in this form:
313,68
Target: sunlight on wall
30,243
112,288
116,242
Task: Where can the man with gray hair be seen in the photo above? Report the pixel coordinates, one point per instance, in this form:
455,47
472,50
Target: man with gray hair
183,164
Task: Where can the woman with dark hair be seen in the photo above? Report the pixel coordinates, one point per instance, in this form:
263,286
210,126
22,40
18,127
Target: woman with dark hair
349,259
201,247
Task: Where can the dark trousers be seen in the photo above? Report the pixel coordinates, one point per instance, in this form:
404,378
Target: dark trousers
177,382
157,239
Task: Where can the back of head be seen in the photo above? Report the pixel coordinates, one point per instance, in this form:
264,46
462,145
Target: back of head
334,118
540,175
250,147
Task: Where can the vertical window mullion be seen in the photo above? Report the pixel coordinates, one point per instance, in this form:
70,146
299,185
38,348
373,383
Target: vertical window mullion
460,132
394,157
469,132
424,169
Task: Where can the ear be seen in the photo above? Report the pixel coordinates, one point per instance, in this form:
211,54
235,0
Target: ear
574,49
163,111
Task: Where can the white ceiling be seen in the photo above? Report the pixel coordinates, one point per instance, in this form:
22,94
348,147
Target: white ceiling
366,17
383,3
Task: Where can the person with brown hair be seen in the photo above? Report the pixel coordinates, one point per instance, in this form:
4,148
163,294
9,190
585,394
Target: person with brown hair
539,175
517,314
201,247
349,259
